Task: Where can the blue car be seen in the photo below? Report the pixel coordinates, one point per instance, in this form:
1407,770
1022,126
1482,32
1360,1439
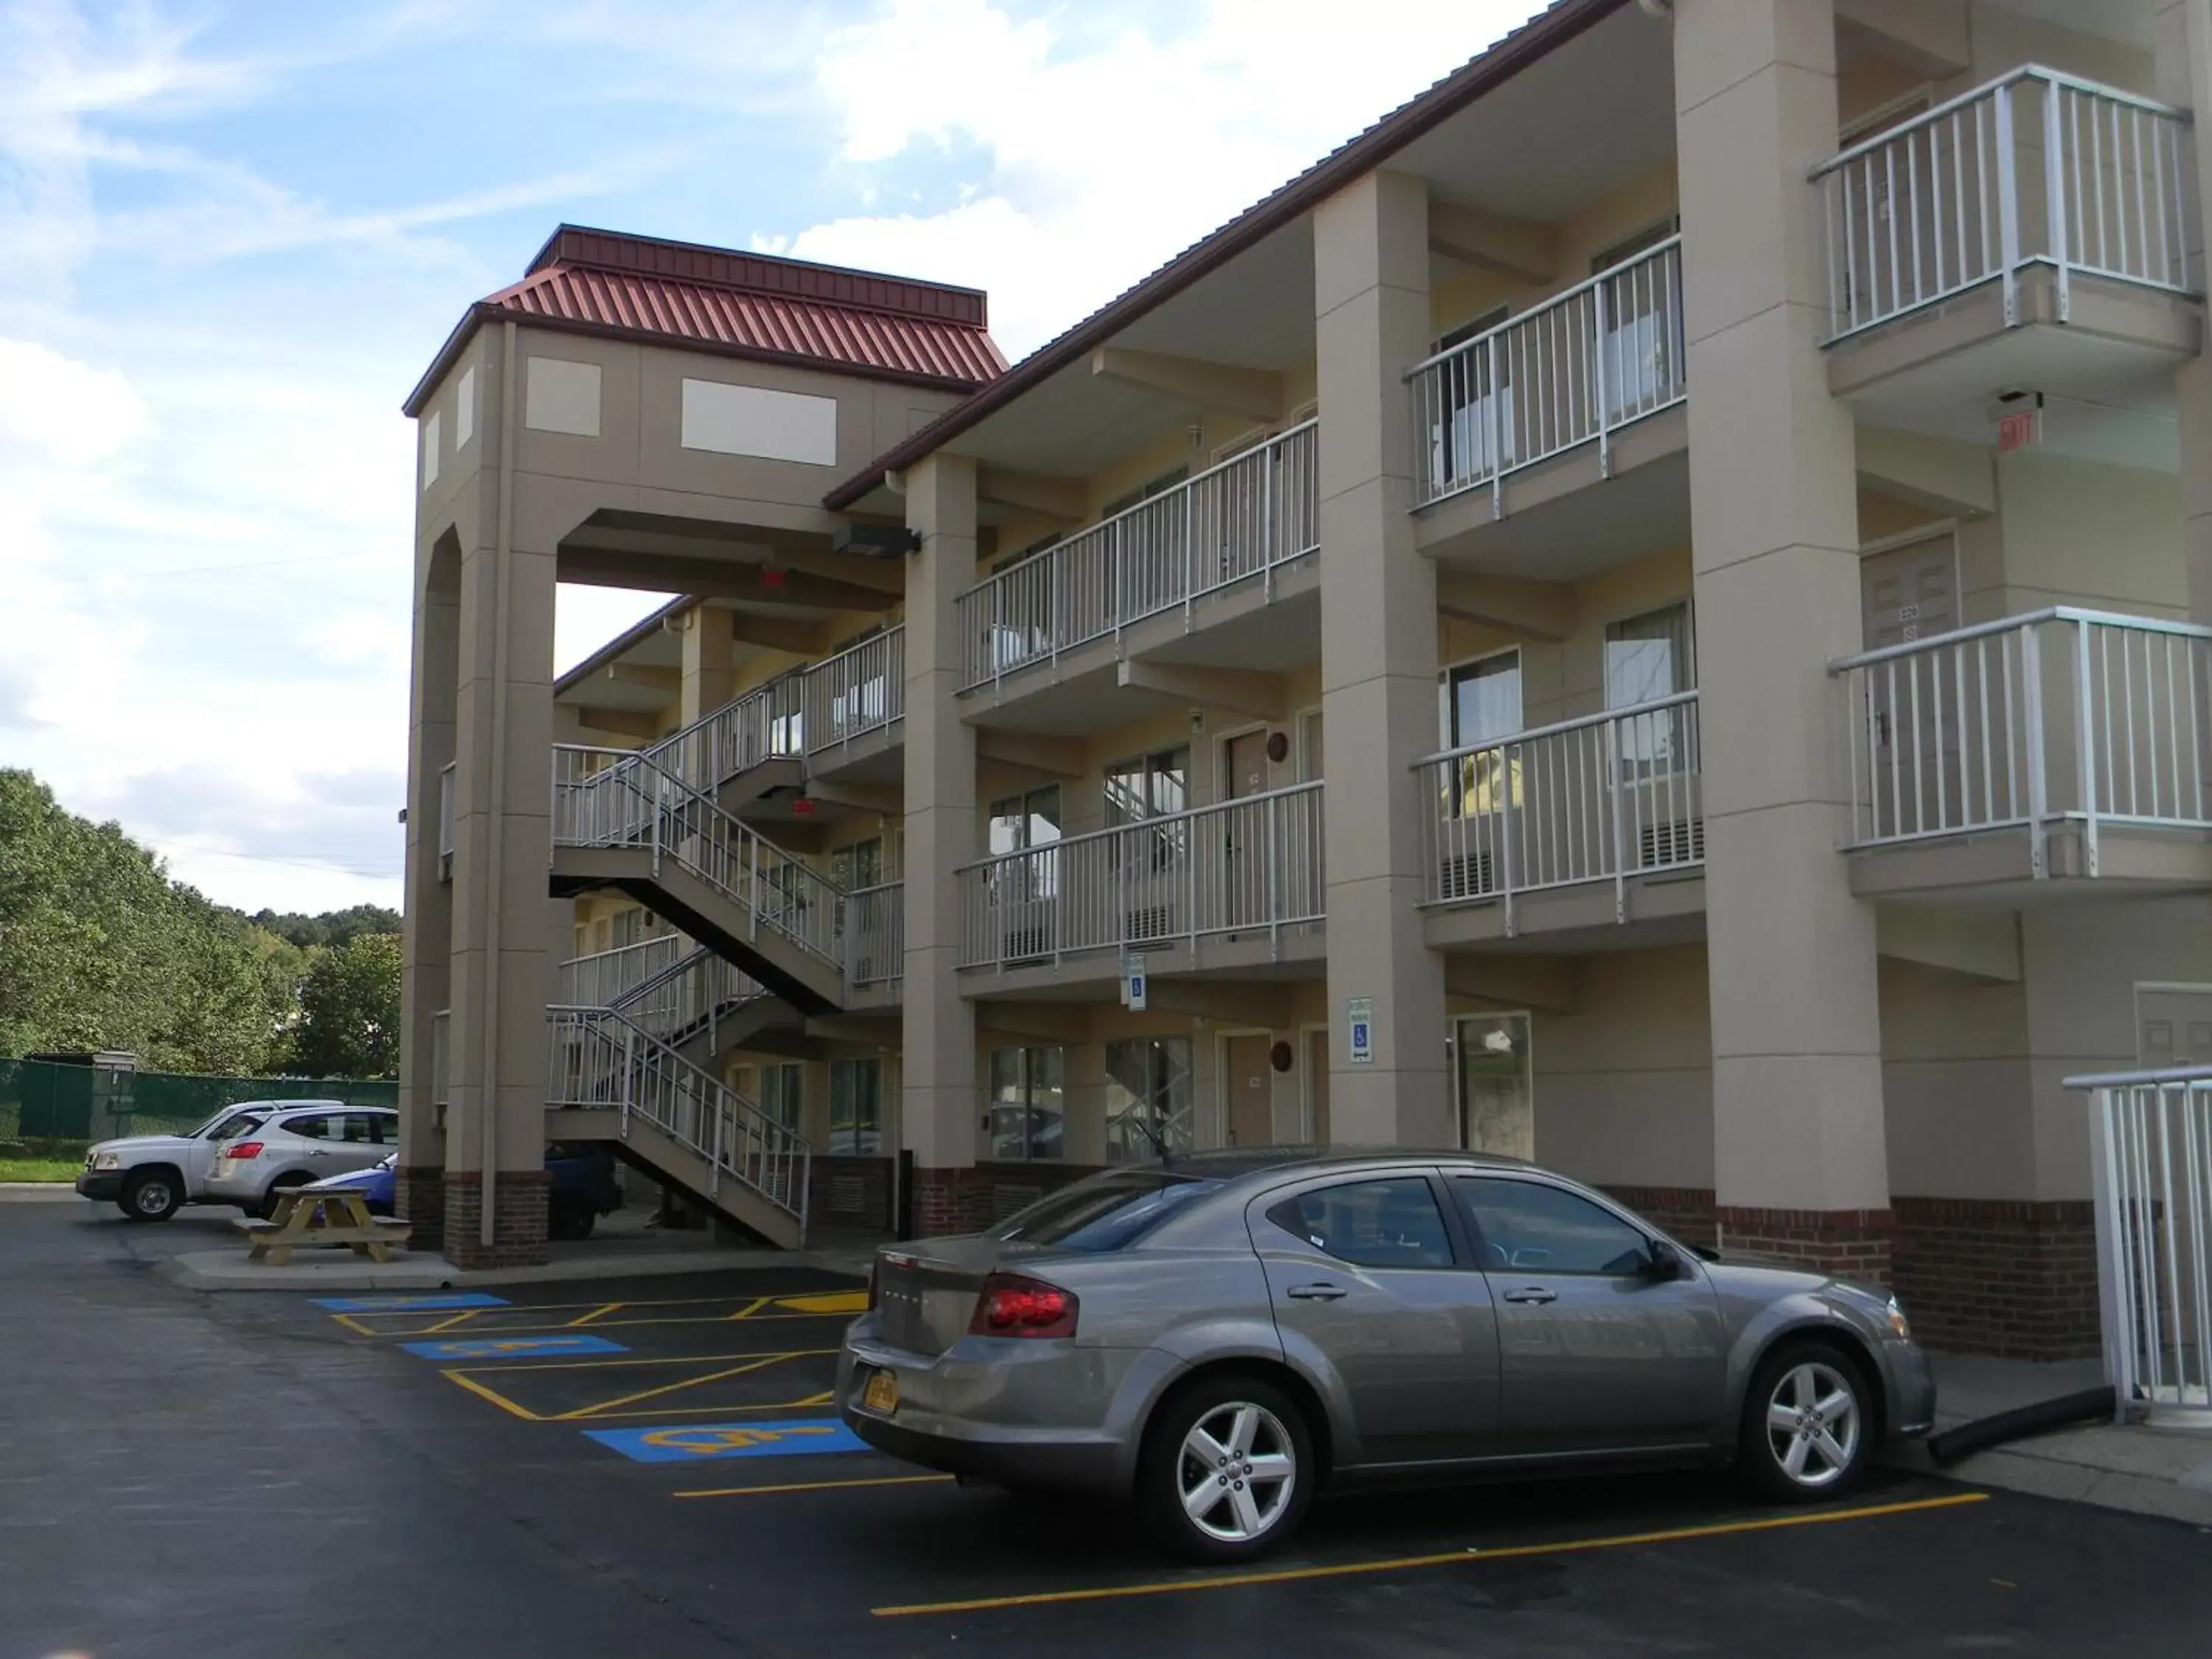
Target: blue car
580,1187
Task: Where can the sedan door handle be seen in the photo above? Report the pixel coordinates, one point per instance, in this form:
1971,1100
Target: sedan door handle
1315,1293
1532,1293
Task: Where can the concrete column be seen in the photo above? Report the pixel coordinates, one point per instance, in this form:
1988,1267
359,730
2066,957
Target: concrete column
427,932
503,846
1801,1165
707,648
1378,662
2185,77
938,1103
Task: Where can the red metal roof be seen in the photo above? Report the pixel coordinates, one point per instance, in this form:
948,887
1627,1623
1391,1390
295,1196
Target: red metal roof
746,305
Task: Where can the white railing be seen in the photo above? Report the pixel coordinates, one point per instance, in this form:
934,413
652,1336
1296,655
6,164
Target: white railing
602,979
875,934
619,798
2035,168
598,1060
2150,1150
446,821
1604,798
2061,715
1575,370
1241,519
767,723
1250,866
859,691
441,1057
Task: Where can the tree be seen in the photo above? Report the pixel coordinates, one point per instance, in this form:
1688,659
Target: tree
331,927
350,1009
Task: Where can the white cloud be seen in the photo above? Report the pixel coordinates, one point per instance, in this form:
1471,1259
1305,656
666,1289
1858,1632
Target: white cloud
1109,152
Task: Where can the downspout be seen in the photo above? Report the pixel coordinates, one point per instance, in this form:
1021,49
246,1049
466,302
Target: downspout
502,549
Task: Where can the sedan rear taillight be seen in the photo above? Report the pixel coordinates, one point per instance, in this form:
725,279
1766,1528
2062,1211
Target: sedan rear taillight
1011,1305
243,1148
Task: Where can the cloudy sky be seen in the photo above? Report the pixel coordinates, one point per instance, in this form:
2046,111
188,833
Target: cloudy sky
231,236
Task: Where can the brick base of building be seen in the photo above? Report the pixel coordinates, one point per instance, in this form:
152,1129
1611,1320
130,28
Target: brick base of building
518,1224
1851,1243
418,1193
848,1191
967,1200
1684,1213
1999,1276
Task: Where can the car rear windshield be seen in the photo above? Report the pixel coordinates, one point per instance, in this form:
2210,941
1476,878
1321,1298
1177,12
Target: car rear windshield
1110,1215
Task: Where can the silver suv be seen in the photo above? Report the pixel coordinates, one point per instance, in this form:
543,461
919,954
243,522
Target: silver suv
150,1177
292,1148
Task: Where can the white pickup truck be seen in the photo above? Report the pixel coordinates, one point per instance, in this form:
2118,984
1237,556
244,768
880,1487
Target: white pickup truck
149,1177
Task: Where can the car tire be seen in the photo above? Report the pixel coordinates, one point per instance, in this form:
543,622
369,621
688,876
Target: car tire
570,1219
283,1183
1240,1424
151,1195
1809,1424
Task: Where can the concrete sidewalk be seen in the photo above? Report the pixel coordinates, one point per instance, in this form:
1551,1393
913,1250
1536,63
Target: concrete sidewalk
625,1245
2150,1471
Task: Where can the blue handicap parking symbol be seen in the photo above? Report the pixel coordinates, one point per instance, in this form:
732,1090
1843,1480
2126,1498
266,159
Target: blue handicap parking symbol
511,1347
694,1442
428,1303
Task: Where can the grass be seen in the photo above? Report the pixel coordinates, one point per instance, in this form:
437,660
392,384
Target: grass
39,1168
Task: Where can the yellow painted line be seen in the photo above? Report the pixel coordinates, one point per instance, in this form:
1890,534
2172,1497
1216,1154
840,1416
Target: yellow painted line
821,1485
604,1308
492,1394
835,1301
751,1314
353,1324
447,1324
1470,1556
528,1365
677,1386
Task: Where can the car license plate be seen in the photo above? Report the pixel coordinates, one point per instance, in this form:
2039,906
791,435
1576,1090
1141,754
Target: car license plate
881,1394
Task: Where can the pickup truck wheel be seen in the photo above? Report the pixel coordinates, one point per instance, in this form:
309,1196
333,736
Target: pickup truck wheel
151,1195
570,1219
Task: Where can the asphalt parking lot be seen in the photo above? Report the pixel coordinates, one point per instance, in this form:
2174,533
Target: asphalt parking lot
652,1467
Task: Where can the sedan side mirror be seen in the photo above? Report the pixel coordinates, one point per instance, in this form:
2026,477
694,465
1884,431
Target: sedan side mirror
1665,1262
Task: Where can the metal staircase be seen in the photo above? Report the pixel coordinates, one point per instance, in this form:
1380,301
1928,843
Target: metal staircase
683,1123
684,995
622,820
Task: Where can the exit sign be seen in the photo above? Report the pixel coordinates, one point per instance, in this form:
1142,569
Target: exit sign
2020,429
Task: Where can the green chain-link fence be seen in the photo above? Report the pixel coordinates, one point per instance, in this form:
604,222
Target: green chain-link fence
42,1101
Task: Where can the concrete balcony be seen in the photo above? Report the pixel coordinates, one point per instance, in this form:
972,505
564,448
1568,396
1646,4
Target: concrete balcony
1217,574
1587,835
1521,421
2031,758
1233,889
2033,234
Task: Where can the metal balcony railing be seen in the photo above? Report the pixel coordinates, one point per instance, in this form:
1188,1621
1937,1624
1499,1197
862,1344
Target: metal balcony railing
2058,716
619,798
875,934
607,978
446,821
597,1059
1605,354
1601,799
2037,168
859,691
2150,1141
1231,523
767,723
1249,867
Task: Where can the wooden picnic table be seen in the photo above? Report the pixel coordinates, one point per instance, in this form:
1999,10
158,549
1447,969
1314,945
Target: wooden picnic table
301,1217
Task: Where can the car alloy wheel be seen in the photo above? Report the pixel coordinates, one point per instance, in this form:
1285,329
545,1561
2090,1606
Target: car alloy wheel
1813,1424
151,1198
1238,1473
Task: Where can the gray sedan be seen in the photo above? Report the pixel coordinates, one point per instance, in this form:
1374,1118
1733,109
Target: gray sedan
1220,1336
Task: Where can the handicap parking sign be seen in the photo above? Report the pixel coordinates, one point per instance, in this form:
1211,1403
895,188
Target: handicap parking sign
697,1441
511,1347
